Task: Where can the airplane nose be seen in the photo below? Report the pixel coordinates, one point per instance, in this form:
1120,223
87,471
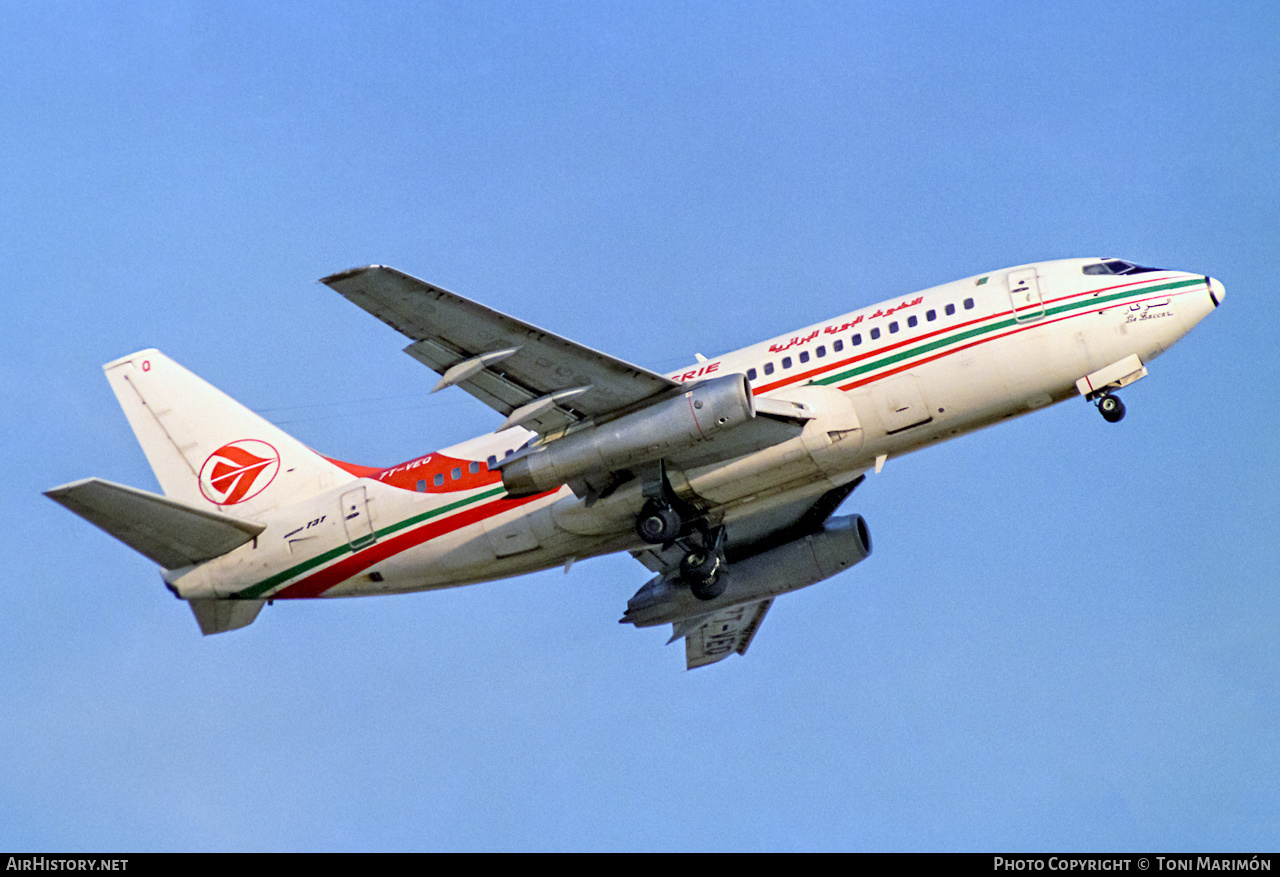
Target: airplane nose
1217,291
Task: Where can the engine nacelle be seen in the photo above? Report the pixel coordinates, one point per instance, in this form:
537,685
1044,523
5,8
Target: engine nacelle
842,543
653,432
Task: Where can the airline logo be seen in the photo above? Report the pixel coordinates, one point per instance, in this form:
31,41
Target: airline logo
238,471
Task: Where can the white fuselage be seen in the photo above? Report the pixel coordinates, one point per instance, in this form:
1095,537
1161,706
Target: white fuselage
878,382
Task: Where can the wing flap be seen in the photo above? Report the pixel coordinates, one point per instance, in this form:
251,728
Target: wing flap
722,634
449,330
171,533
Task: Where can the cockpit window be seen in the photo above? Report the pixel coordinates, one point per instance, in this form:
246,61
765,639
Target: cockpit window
1116,266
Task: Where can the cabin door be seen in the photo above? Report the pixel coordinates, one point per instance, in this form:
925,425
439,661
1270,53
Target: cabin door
356,519
1024,295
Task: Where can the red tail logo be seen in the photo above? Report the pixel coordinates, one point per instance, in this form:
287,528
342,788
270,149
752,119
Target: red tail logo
238,471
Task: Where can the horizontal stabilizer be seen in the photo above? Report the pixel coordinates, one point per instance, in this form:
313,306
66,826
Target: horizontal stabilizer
171,533
219,616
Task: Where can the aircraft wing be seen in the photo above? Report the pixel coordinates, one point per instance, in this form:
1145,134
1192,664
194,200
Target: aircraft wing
535,378
721,634
716,635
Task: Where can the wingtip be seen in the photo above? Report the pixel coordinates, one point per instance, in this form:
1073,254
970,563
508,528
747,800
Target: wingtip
349,273
56,493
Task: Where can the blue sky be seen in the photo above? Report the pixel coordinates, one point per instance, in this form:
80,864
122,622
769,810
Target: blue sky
1067,635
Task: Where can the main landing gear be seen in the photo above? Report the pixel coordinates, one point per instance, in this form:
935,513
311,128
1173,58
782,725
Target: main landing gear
1111,408
701,564
663,519
660,520
658,523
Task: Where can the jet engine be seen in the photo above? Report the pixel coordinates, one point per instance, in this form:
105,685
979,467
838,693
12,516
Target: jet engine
839,545
643,436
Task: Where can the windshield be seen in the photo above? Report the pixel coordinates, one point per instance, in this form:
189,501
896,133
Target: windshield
1115,266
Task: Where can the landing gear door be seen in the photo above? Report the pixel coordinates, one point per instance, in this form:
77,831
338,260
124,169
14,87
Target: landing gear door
356,519
1024,295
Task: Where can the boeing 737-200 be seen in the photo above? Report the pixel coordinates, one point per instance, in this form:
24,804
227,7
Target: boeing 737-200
721,478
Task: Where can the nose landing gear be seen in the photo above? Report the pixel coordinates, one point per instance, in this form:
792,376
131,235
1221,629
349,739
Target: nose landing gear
1111,408
1098,387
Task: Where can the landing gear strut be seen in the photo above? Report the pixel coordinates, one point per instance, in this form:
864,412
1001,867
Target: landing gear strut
703,567
1111,407
663,519
660,520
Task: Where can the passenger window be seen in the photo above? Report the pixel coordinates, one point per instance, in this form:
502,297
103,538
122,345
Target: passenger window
786,362
931,315
893,327
509,452
837,346
438,480
456,473
951,309
422,486
968,304
474,467
493,460
751,374
821,351
768,368
804,356
911,322
875,333
856,340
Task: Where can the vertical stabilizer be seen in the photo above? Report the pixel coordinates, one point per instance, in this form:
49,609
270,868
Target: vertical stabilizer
209,450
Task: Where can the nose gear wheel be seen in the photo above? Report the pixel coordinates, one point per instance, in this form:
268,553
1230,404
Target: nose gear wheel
1111,408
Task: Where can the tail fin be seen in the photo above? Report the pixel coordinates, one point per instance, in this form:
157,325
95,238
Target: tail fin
207,449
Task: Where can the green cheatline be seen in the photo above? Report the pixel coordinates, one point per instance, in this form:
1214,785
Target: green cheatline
929,347
254,591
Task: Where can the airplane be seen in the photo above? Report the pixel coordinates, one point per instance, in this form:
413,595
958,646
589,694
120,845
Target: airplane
722,478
